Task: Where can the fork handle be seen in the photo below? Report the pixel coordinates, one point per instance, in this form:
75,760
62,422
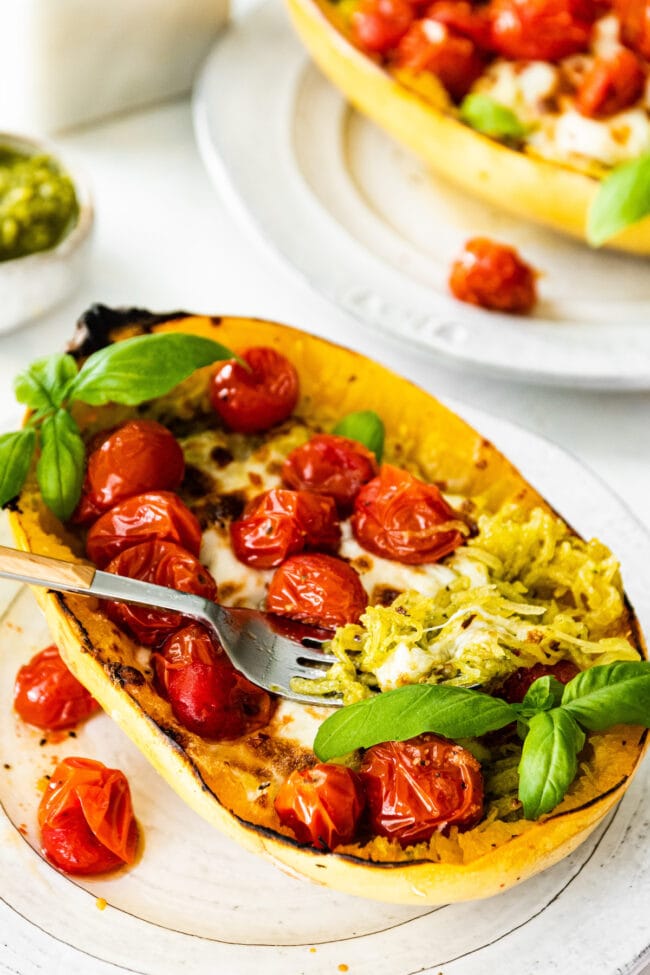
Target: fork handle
41,570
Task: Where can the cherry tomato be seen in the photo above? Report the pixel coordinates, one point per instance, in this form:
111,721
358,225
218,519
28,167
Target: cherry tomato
86,818
317,589
611,85
378,25
139,456
430,45
280,523
493,276
418,787
322,805
255,399
541,30
165,564
516,686
156,514
207,695
463,18
330,465
400,517
634,16
48,695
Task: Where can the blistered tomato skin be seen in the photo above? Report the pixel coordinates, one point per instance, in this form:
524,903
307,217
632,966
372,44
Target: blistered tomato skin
164,564
540,30
321,805
49,696
378,25
400,517
86,818
280,523
253,398
154,515
634,17
611,85
516,686
429,45
418,787
330,465
463,18
317,589
493,276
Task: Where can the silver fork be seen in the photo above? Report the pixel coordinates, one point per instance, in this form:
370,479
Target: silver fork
267,649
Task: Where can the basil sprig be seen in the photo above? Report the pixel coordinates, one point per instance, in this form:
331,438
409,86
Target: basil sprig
128,372
551,718
366,427
490,118
623,198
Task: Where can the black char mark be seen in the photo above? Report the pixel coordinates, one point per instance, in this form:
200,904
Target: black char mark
121,674
96,327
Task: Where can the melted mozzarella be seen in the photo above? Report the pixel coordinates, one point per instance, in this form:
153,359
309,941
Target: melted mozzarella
607,141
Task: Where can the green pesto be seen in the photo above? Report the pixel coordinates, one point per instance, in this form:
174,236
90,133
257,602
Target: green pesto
38,204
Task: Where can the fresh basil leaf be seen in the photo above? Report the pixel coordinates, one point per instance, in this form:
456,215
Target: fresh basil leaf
60,469
409,711
491,118
623,198
43,384
365,427
16,452
542,695
142,368
549,761
617,693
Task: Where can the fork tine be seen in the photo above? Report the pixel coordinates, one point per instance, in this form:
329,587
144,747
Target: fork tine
317,701
315,657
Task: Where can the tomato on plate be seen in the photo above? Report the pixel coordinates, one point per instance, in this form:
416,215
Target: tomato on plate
317,589
516,686
86,818
253,399
400,517
207,695
541,30
322,805
331,465
279,523
155,514
418,787
611,85
164,564
429,45
139,456
493,276
49,696
634,16
378,25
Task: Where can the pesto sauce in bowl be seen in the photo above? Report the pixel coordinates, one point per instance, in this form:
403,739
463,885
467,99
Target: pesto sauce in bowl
38,203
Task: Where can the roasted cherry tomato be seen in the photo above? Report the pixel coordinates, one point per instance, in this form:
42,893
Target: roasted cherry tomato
429,45
463,18
493,276
207,695
165,564
280,523
139,456
400,517
86,818
322,805
331,465
253,399
611,85
516,686
378,25
156,514
541,30
317,589
47,695
418,787
634,16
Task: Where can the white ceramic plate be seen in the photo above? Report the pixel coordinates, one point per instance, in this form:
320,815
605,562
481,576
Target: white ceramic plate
198,903
367,225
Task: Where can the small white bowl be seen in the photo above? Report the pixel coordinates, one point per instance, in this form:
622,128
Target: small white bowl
31,285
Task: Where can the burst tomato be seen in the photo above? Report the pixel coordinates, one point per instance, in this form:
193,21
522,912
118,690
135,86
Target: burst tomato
634,16
253,399
317,589
515,687
378,25
541,30
86,818
165,564
330,465
429,45
280,523
399,517
156,514
47,695
418,787
493,276
611,85
322,805
463,18
207,695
